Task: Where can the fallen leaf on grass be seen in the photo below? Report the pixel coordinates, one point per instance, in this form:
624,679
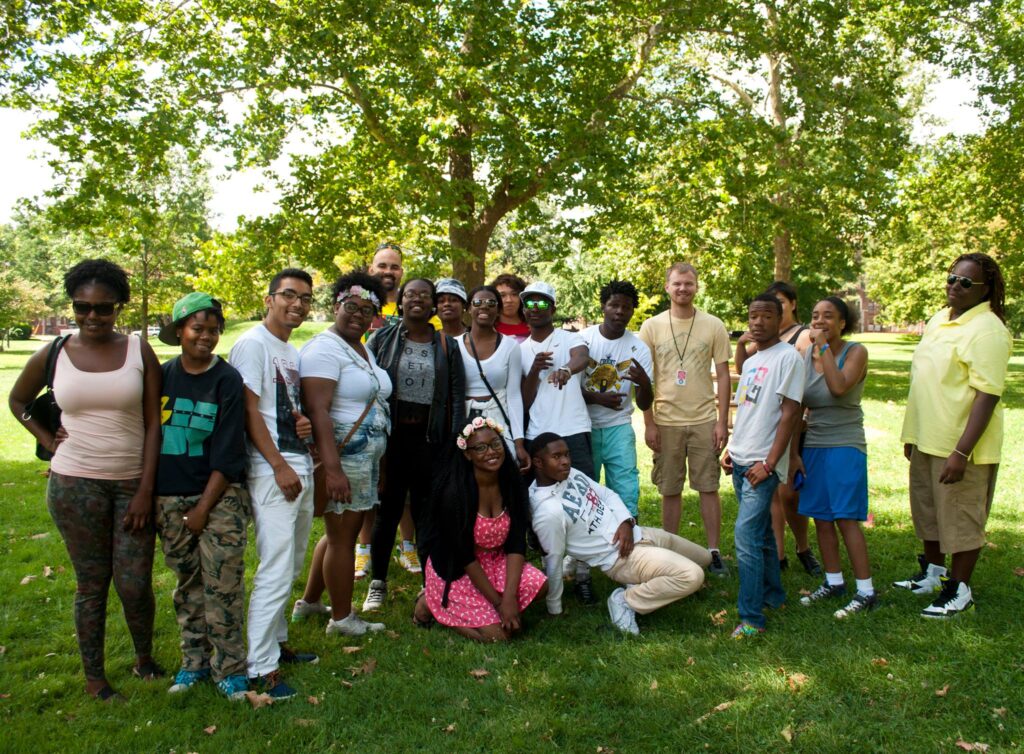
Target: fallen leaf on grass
313,700
605,750
449,728
796,681
690,661
968,746
880,662
943,691
366,668
210,730
351,650
787,733
28,579
47,572
346,684
258,700
1018,571
804,592
51,654
304,722
718,708
479,673
391,634
1001,711
718,618
654,685
992,545
40,535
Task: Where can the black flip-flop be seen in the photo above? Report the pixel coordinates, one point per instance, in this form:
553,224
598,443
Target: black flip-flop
148,671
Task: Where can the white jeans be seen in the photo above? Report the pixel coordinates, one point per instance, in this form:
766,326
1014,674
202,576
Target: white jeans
282,535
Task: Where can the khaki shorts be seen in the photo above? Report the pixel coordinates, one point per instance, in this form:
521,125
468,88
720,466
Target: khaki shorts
690,447
954,515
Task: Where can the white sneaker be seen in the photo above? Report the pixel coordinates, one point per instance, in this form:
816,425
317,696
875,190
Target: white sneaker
409,560
303,609
926,581
955,597
375,595
622,614
568,567
351,625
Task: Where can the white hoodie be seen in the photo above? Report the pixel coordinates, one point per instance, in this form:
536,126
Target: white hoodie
577,517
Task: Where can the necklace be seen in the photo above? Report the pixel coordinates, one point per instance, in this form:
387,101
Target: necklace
686,344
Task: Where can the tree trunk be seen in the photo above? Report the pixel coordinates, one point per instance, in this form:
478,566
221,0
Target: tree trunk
469,266
782,245
783,256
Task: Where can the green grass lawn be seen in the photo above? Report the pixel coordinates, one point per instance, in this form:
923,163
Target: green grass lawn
888,681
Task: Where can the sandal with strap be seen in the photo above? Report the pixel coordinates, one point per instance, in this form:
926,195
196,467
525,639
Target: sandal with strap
148,671
427,622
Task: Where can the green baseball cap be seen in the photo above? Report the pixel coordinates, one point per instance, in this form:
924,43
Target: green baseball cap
184,308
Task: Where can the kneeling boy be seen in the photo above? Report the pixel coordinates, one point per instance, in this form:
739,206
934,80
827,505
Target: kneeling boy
574,515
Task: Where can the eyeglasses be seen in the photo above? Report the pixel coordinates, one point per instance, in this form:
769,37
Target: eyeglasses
965,283
480,448
103,309
351,307
291,296
537,303
485,303
417,294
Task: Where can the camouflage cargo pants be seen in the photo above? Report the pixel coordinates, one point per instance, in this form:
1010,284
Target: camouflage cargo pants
210,594
88,514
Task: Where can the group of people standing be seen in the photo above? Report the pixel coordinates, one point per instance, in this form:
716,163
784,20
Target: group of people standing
470,421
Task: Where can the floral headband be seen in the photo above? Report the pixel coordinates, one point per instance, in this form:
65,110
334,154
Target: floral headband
479,422
357,290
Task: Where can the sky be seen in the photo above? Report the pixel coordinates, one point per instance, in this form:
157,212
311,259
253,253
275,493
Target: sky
24,171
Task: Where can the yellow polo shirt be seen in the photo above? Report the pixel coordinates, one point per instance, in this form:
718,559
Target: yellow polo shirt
954,361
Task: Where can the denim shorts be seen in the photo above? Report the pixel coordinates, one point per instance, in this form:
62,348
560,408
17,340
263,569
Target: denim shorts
360,460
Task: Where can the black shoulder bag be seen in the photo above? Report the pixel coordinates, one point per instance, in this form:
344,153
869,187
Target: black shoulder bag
43,409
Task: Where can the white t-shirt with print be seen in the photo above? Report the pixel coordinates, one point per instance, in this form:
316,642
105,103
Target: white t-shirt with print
553,410
270,368
768,377
606,373
329,357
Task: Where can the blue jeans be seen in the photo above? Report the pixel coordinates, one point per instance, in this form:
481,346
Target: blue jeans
614,448
756,557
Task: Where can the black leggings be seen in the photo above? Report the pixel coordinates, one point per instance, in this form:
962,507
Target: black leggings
408,470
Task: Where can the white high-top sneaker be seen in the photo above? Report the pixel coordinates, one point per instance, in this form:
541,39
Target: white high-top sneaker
927,581
954,598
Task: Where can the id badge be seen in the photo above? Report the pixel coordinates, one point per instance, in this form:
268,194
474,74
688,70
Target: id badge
681,377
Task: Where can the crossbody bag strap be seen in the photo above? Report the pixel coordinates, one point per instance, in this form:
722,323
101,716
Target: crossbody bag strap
366,410
51,359
479,366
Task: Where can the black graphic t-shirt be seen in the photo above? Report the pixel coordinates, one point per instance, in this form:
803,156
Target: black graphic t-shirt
202,425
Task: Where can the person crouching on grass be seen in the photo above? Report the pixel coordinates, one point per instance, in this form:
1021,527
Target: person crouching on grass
573,514
767,411
202,513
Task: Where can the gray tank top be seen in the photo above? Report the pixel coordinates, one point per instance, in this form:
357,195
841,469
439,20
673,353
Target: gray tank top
834,422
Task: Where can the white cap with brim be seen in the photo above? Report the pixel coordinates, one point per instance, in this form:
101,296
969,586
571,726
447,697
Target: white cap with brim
539,288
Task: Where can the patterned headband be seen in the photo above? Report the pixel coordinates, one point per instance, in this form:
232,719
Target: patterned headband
357,290
479,422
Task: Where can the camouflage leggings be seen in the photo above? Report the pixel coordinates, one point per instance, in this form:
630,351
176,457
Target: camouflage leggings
88,514
210,594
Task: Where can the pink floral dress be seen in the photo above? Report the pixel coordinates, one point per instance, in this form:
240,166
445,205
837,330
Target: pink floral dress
467,607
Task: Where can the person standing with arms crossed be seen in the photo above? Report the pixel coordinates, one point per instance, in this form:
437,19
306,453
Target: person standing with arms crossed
683,428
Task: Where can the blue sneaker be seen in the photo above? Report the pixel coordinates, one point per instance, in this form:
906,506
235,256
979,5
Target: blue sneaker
186,679
234,687
291,657
273,685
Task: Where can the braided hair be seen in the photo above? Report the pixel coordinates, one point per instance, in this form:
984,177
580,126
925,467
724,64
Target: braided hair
996,295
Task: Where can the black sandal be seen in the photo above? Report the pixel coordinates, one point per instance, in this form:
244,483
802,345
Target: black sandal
148,671
108,695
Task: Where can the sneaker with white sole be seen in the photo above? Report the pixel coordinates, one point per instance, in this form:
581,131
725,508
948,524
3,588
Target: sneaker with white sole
861,603
362,563
925,581
621,613
233,687
823,592
717,566
409,560
302,610
955,598
186,679
375,595
351,625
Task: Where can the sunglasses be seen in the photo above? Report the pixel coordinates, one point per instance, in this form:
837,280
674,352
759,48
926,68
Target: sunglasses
965,283
351,307
537,303
103,309
485,303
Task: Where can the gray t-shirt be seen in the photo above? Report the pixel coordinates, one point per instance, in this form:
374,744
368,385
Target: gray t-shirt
833,422
416,373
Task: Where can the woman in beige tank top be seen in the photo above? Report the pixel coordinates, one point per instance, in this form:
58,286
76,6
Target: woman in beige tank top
100,491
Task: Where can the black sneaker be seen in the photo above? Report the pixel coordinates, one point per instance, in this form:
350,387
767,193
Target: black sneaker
823,592
809,562
783,563
584,592
290,656
861,603
717,567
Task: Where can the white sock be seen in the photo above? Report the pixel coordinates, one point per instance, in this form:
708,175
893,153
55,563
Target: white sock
362,549
865,587
714,549
936,570
834,579
407,546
